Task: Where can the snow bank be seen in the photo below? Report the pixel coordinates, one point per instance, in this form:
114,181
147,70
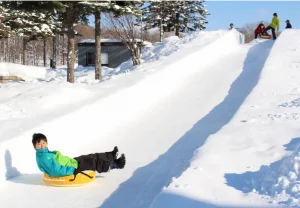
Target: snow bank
28,73
84,75
278,182
281,180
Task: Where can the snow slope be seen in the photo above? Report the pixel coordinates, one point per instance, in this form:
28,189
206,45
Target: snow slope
252,149
26,105
192,119
117,113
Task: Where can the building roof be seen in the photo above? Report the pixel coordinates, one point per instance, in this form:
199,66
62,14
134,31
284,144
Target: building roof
104,41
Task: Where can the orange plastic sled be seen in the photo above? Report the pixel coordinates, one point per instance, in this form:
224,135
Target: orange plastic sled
266,36
80,179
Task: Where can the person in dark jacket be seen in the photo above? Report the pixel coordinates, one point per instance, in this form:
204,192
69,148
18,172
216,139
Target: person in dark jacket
55,164
288,24
259,30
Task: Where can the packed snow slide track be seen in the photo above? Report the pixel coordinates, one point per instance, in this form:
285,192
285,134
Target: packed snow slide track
211,123
158,139
193,102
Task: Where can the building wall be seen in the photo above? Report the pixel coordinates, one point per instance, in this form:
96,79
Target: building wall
117,54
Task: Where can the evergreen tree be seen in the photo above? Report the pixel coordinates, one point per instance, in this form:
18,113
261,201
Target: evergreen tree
44,19
156,14
4,29
187,16
31,20
195,16
120,8
178,16
74,14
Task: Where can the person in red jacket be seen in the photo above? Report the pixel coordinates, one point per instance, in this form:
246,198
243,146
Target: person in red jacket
259,30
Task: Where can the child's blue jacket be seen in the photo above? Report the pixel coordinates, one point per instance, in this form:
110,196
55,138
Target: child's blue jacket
54,163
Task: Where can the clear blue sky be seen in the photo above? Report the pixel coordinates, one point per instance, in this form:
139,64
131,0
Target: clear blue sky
243,12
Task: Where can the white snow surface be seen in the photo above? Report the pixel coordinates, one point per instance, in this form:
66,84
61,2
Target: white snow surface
204,121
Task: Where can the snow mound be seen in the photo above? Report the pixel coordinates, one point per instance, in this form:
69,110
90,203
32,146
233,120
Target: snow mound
280,181
27,72
291,104
289,116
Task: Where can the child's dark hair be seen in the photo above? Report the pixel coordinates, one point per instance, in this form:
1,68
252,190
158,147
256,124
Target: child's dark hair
36,138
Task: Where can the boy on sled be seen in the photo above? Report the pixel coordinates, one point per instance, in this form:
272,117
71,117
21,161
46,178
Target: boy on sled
55,164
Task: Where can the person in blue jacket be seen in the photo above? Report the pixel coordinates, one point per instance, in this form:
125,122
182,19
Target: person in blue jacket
55,164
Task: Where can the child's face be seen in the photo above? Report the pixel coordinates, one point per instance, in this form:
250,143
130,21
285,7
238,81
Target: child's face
41,145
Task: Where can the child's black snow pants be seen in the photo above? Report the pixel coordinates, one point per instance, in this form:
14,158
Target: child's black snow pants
99,162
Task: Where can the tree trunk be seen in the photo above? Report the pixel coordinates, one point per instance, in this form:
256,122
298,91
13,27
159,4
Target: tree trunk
63,50
161,30
4,49
71,42
7,51
58,58
25,58
98,45
135,53
54,51
136,61
45,58
177,25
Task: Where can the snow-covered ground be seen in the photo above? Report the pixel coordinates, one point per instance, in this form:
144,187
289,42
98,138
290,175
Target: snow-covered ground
252,137
204,122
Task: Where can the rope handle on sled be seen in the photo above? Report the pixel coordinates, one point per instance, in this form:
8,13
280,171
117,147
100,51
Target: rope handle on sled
83,174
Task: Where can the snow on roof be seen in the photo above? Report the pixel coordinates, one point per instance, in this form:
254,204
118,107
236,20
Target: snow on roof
104,40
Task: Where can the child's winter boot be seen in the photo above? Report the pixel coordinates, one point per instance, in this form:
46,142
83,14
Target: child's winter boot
118,163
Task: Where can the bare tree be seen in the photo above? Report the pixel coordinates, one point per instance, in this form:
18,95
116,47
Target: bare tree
123,28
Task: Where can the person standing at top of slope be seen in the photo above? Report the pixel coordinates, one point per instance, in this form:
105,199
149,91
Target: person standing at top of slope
231,26
288,24
55,164
274,24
